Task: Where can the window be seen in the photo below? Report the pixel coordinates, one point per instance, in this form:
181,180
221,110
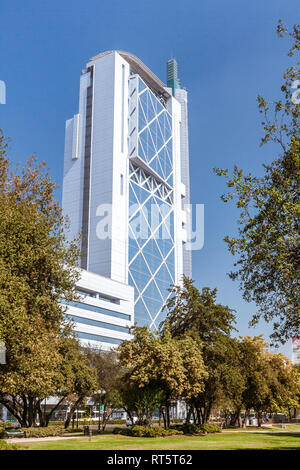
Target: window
122,184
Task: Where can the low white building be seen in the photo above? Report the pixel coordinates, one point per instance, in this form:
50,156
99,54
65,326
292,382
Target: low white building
105,312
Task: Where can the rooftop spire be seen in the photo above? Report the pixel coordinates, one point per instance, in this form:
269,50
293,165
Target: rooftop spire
172,75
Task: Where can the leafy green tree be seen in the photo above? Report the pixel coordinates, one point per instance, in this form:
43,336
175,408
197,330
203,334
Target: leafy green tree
37,269
76,378
139,401
256,373
271,383
108,372
284,384
160,362
232,384
267,244
191,311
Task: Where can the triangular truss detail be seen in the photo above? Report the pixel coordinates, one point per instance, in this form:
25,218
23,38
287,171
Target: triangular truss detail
151,260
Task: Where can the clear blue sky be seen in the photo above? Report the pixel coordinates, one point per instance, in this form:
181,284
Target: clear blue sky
227,52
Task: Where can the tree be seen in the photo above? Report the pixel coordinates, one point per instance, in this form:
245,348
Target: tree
256,373
162,363
190,311
108,371
38,268
77,379
139,401
267,245
271,383
284,384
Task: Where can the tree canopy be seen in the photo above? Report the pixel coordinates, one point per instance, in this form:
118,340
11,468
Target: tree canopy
267,244
38,268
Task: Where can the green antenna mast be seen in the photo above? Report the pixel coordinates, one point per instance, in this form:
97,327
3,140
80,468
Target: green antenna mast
172,75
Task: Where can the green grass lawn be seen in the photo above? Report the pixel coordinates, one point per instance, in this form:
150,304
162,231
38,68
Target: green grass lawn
224,441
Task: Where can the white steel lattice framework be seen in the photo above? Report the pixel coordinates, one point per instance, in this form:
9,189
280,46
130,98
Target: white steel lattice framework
151,209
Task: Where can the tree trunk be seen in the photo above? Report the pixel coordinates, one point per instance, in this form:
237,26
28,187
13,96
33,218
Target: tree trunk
99,420
164,418
198,414
45,417
14,411
168,415
239,419
202,415
70,416
207,412
188,415
31,412
159,419
235,418
259,419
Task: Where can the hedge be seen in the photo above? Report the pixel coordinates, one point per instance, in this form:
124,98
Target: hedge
44,432
198,428
71,430
143,431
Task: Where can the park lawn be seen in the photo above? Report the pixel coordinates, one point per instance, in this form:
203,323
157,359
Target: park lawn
224,441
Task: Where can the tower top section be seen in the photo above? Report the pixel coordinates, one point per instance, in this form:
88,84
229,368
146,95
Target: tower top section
172,75
140,68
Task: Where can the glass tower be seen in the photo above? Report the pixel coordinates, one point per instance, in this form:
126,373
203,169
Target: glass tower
126,179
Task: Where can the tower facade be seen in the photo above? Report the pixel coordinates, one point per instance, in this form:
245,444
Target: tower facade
126,180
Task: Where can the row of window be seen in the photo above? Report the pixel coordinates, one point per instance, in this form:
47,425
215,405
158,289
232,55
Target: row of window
93,308
99,324
96,295
101,339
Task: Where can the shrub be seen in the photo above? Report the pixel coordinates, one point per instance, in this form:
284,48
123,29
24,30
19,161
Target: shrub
172,432
8,446
2,427
210,428
143,431
189,428
192,428
43,432
120,431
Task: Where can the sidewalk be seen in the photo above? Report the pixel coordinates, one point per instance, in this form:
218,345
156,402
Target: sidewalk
15,440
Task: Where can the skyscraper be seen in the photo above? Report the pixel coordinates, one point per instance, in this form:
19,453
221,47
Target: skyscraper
126,180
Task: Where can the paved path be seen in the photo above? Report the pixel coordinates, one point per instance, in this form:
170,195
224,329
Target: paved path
15,440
